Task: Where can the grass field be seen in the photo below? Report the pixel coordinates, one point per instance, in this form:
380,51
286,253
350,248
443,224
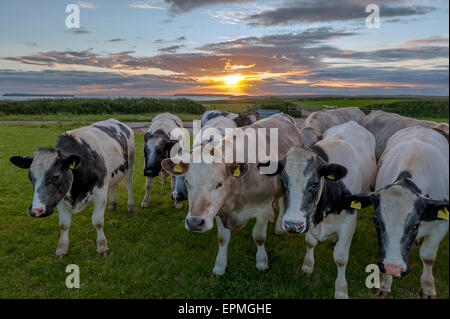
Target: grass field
154,256
63,117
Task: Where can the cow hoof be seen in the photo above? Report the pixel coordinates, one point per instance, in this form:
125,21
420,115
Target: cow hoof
219,271
423,295
59,256
279,232
112,206
381,293
340,295
262,266
145,205
105,253
131,208
417,242
307,270
178,205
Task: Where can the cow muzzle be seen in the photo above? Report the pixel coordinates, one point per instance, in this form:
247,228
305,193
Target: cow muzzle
394,270
197,224
179,196
40,212
151,172
299,226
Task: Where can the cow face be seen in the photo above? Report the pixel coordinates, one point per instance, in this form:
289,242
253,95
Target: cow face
399,211
303,180
180,192
51,175
156,148
208,187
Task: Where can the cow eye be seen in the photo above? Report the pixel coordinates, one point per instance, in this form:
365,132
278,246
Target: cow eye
219,184
55,178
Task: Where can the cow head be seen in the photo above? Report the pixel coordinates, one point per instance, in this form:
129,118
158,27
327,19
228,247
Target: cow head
156,148
208,186
399,209
303,175
51,174
180,192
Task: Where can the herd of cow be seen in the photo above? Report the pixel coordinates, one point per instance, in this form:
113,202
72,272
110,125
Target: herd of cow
338,162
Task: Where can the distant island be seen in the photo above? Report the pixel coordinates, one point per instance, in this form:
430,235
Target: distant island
37,95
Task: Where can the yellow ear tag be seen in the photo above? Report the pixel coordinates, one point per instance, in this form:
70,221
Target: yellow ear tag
237,172
178,168
443,213
355,204
331,177
72,166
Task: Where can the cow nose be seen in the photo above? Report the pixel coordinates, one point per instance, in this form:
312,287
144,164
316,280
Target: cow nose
393,270
36,212
195,223
180,197
150,172
295,226
174,195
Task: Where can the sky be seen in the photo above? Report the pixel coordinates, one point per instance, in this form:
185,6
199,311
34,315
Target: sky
283,47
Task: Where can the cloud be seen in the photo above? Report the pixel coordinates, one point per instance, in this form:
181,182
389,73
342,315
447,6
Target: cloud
182,38
307,11
116,40
227,16
172,49
86,5
180,6
78,31
146,5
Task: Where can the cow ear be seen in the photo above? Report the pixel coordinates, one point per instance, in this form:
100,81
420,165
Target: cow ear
71,161
264,167
434,210
21,161
333,172
147,135
176,169
357,201
238,170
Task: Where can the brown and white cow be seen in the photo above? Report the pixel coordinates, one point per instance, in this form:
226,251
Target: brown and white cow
316,179
318,122
158,144
384,124
235,192
411,202
81,168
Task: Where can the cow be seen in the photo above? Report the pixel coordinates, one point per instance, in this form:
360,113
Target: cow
318,122
411,202
84,165
384,124
157,146
315,179
234,192
216,129
239,119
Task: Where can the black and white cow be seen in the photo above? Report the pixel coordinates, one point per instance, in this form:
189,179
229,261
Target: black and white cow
239,119
158,144
315,179
411,202
84,165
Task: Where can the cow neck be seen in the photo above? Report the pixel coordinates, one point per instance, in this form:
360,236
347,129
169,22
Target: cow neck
332,192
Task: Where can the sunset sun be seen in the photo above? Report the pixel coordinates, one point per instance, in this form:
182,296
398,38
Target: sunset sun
233,80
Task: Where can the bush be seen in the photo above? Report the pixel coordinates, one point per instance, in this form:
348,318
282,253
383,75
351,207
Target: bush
437,108
273,103
101,106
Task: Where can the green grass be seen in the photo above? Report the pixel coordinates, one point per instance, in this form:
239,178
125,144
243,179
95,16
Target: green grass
154,256
62,117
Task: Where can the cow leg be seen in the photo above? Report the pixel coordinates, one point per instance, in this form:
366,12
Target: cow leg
224,239
308,262
65,218
163,176
341,253
129,186
385,285
259,236
112,197
428,252
281,211
148,189
98,220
